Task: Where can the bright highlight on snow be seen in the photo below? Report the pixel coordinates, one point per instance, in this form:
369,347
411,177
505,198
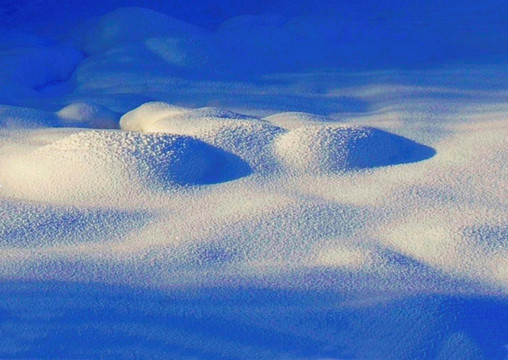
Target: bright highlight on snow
241,188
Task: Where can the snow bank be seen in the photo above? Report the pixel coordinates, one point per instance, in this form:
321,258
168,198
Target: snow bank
329,149
240,48
94,165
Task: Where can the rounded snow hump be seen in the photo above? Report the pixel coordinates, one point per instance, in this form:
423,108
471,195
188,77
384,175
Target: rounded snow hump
106,163
338,148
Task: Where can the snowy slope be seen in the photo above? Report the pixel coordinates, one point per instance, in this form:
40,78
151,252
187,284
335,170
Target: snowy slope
271,182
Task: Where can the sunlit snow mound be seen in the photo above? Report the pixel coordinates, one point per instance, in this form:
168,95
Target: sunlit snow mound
141,118
91,165
88,115
329,149
161,116
243,135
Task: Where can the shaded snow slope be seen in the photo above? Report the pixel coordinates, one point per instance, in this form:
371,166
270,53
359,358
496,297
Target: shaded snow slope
25,118
133,24
365,33
29,63
30,226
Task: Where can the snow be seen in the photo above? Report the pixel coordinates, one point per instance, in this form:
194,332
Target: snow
88,115
31,64
245,136
126,25
254,184
329,149
20,117
91,165
146,114
294,119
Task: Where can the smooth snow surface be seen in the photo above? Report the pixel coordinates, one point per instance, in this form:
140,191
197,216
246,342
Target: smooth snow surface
250,190
295,119
88,115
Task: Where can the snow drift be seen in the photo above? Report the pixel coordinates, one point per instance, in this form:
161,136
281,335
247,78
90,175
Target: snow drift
93,165
328,149
245,136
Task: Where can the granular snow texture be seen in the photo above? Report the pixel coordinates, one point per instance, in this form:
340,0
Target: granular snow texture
174,192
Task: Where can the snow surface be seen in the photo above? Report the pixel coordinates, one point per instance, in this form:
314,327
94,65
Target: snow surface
329,149
237,192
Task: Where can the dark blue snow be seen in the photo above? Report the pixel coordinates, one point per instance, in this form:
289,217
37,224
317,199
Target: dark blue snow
52,320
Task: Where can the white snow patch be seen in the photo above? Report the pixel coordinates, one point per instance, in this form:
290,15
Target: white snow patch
145,115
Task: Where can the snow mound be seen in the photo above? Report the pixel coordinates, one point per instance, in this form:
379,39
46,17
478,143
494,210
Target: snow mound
142,117
211,112
145,116
243,135
329,149
131,24
91,165
295,119
88,115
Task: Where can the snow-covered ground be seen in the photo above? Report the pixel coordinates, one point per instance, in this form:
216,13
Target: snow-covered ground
240,191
